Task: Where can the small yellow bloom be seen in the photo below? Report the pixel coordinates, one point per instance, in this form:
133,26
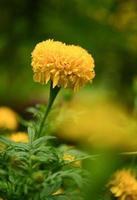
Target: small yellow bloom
124,185
19,137
66,66
8,118
60,191
70,158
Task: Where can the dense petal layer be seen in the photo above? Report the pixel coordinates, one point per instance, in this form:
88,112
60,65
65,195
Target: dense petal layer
65,65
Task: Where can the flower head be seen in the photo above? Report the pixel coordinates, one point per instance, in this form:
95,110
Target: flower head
66,66
8,118
70,158
124,185
19,137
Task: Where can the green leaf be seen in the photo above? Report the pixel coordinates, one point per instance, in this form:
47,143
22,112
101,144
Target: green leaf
5,140
41,140
31,133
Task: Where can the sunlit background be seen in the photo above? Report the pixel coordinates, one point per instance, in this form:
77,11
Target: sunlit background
102,115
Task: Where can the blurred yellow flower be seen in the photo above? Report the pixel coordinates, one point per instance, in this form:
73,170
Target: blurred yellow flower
124,185
68,157
8,118
71,158
66,66
98,122
19,137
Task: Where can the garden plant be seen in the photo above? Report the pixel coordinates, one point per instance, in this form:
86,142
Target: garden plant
39,168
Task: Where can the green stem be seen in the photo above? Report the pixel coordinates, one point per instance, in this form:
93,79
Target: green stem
53,94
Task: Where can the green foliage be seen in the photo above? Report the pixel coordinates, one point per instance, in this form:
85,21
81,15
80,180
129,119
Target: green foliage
36,170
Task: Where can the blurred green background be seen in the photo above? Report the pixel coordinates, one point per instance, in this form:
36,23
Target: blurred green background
107,29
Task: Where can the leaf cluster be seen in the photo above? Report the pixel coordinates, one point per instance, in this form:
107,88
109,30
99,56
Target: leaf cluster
37,171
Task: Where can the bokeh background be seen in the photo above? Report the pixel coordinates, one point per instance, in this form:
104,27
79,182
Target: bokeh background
108,30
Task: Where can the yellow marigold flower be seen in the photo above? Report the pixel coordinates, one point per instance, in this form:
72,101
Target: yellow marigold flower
70,158
66,66
19,137
124,185
8,118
